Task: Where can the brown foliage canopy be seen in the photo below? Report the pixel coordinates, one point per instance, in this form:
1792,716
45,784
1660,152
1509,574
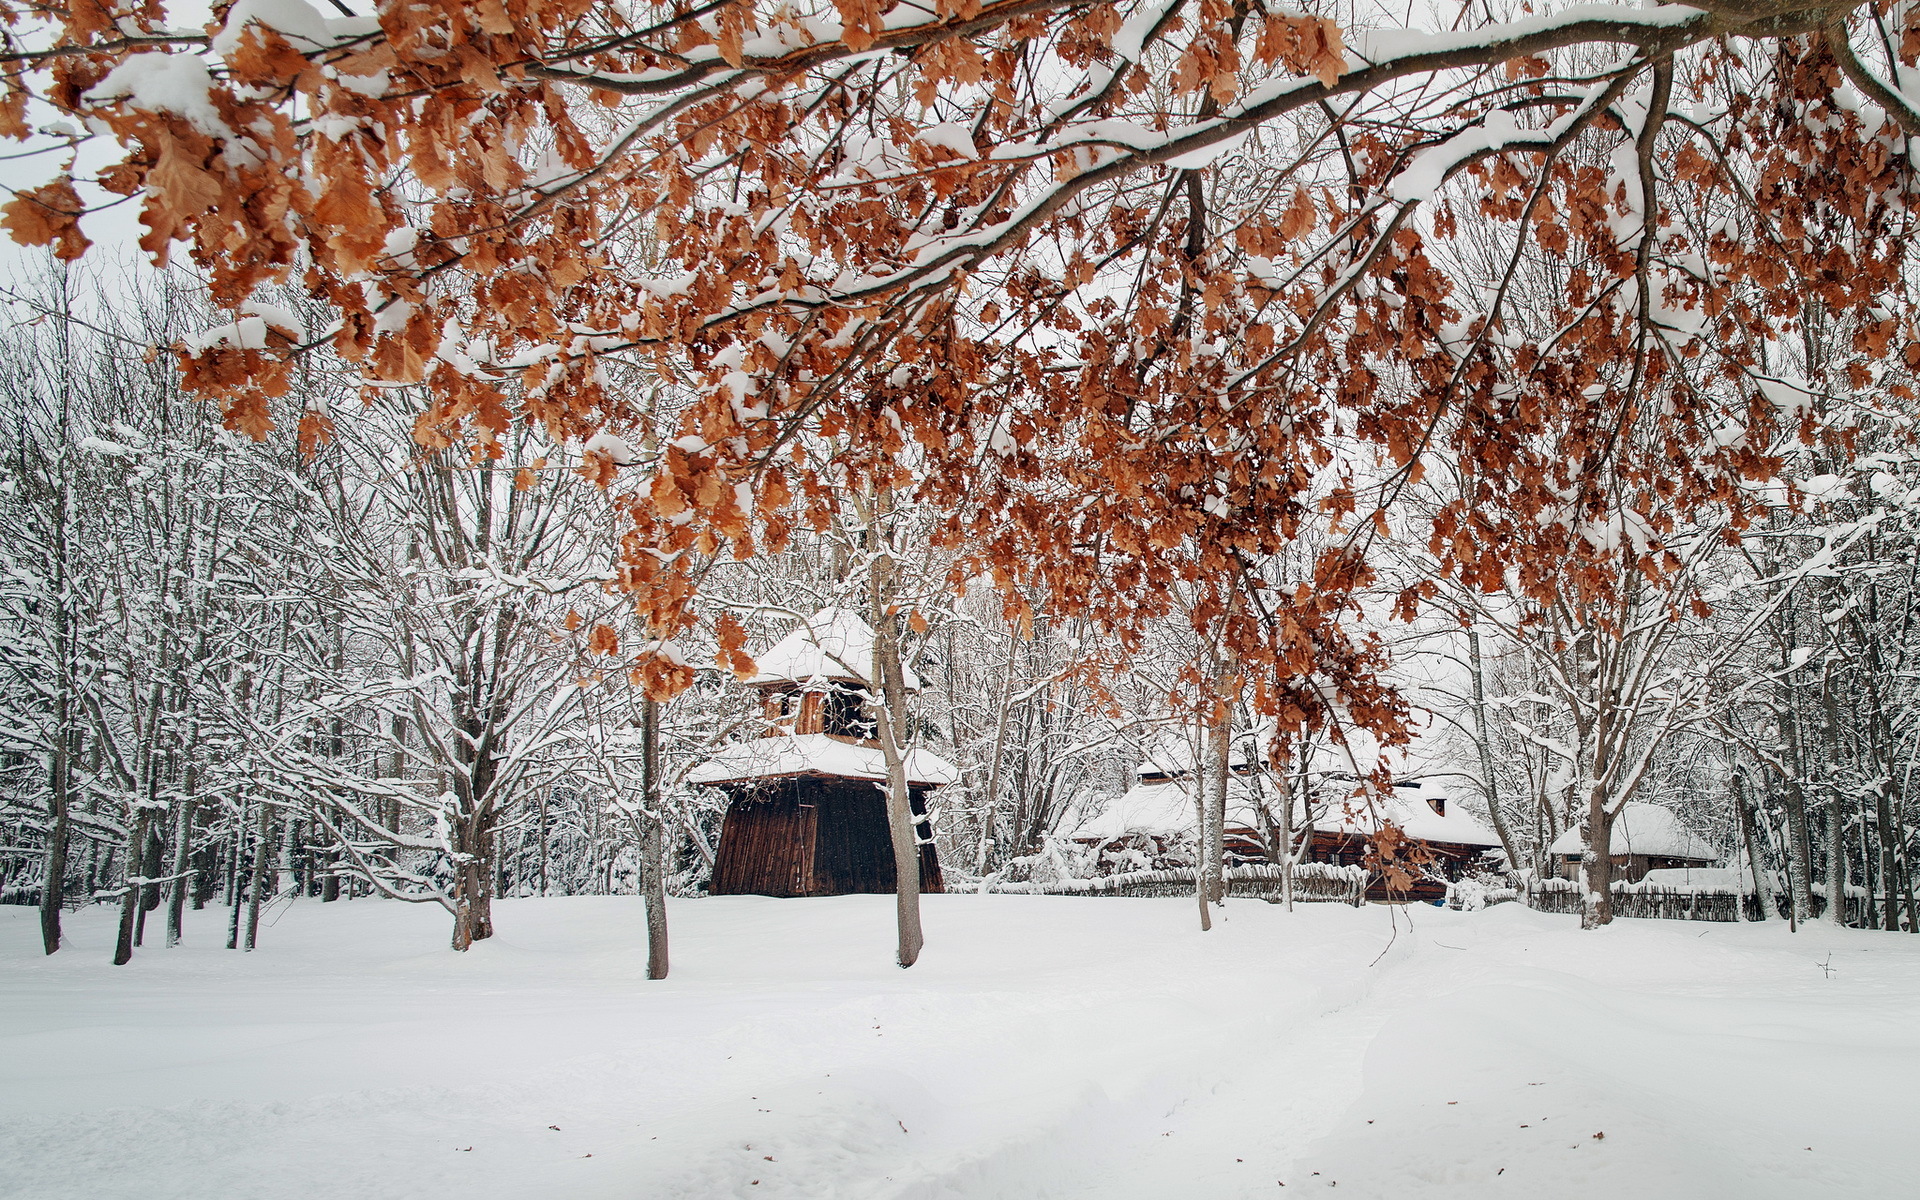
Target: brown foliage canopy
1136,292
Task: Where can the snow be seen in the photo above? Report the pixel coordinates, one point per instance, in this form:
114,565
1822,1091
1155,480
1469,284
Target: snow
100,445
613,447
171,83
815,754
1160,809
1640,829
833,643
955,137
299,22
1043,1047
276,315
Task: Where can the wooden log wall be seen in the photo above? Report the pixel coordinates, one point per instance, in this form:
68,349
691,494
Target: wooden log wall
813,836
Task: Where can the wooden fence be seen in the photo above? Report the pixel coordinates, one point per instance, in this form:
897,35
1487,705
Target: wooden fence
1312,883
1675,904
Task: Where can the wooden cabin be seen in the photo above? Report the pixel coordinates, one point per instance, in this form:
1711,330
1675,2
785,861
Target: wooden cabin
1158,812
1645,837
806,813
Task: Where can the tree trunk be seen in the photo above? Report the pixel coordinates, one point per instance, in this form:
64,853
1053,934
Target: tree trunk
889,712
652,870
1836,813
1890,834
1763,897
1488,789
182,880
1220,751
152,864
53,884
1799,851
130,903
1597,908
1200,841
235,857
258,882
473,880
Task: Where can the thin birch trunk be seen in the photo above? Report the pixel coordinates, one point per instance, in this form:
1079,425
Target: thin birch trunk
1836,814
889,714
1220,750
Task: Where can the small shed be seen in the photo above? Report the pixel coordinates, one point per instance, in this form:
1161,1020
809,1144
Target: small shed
1645,837
807,810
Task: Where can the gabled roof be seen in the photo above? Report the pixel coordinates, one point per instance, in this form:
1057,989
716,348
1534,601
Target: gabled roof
814,754
1408,807
1161,809
833,644
1640,829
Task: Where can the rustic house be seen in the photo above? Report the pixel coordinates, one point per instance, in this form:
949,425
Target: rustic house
807,814
1645,837
1141,828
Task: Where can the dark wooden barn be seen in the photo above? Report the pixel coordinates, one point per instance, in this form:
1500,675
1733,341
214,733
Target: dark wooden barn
806,815
812,835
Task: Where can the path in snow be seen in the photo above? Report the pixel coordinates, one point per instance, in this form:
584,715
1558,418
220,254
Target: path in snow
1043,1047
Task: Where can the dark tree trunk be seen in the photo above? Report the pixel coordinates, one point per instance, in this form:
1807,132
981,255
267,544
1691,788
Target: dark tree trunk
258,882
652,869
236,855
1762,896
130,902
181,880
53,886
473,881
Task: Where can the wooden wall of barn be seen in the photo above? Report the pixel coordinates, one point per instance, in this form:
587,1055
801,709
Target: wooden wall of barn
812,836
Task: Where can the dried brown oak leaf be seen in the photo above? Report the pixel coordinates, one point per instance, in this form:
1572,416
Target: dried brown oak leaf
48,215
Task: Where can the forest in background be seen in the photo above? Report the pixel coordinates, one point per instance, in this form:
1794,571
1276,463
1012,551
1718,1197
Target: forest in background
255,671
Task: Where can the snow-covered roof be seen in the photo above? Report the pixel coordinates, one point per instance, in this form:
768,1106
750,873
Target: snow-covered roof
1161,809
814,754
1176,759
1408,807
1166,808
833,643
1640,829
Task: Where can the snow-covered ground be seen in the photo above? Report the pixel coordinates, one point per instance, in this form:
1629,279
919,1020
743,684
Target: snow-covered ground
1045,1046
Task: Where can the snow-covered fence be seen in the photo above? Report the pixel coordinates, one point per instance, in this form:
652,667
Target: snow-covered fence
1641,900
1312,882
1697,903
